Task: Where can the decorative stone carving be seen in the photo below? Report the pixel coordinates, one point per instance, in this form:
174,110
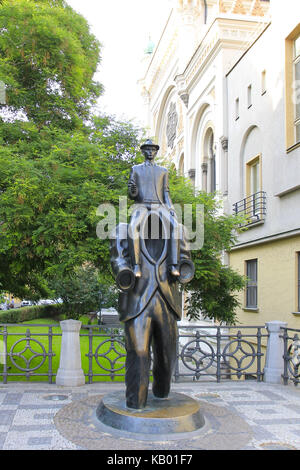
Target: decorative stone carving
192,173
238,7
185,99
224,143
222,8
172,125
256,8
204,167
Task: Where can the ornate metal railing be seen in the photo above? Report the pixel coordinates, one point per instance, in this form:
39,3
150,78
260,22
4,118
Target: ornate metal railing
213,352
253,208
220,352
106,352
291,355
210,351
28,356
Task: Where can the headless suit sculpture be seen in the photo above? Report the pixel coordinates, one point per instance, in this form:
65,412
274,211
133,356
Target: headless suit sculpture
148,271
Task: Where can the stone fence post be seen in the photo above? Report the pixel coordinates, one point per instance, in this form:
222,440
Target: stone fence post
70,373
274,366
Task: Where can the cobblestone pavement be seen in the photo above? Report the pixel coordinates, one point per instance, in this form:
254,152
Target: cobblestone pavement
270,413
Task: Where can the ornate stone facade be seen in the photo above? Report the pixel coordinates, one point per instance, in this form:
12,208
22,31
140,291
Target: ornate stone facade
184,80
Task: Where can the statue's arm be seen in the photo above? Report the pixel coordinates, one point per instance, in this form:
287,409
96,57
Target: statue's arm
132,185
186,265
120,258
167,197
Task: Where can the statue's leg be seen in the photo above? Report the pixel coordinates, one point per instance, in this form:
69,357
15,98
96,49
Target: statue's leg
172,236
138,338
134,238
165,333
174,247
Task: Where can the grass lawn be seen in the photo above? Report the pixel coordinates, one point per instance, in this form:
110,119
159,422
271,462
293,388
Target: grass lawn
108,357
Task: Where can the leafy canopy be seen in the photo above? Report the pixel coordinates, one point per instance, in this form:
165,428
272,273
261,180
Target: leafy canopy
215,286
48,59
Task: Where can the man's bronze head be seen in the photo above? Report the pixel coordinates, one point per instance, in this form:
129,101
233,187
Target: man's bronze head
149,150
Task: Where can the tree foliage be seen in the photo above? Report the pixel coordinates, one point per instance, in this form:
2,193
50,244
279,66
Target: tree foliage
48,59
214,289
81,291
49,201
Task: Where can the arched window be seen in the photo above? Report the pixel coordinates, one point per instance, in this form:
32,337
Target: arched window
181,166
209,162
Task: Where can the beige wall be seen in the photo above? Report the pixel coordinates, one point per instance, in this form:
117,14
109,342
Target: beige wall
277,281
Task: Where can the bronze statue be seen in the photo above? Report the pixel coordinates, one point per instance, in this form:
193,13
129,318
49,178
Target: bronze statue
149,187
148,271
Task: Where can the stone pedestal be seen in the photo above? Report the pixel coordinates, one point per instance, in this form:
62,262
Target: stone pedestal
70,373
176,414
274,358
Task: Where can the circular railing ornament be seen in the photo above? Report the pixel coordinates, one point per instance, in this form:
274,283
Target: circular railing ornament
193,352
239,344
111,349
21,354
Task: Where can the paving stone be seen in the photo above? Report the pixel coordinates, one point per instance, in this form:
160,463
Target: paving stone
271,395
267,411
12,399
262,433
2,438
273,422
6,417
262,416
30,428
293,407
39,441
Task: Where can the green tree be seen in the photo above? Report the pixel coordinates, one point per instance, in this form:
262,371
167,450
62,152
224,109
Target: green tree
215,287
49,203
48,59
82,291
58,162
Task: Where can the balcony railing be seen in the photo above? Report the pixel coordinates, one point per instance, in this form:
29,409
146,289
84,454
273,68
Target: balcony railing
253,208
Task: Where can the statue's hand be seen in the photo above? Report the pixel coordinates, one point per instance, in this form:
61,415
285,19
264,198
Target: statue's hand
133,188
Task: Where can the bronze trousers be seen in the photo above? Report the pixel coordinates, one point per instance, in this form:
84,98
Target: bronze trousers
171,235
156,326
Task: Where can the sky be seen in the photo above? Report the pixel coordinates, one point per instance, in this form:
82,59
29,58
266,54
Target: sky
123,27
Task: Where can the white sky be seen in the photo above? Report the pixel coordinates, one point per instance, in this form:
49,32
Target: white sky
123,27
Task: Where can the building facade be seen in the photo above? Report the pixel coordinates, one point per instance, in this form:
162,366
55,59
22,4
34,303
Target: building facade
264,168
220,93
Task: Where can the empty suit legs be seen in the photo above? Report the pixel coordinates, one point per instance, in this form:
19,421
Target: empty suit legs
156,325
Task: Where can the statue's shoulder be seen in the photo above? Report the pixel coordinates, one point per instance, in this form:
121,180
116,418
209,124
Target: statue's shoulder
163,169
137,167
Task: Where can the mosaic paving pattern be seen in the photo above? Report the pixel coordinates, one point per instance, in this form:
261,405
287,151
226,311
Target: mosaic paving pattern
265,417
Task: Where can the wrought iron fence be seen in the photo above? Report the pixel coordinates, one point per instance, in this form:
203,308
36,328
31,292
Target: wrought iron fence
27,356
212,352
291,355
220,352
106,352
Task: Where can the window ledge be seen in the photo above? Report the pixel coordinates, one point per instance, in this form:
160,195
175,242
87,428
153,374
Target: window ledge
253,224
293,147
296,313
249,309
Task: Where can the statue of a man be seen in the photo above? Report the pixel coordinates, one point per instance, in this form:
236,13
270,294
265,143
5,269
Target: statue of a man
150,301
148,186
